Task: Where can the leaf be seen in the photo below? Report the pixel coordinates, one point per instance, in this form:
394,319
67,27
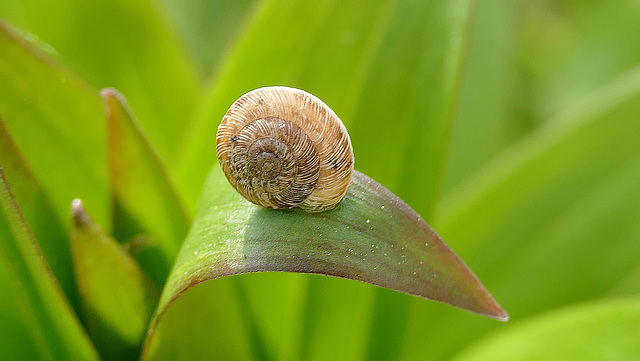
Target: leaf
46,327
558,210
142,187
372,236
603,330
39,214
118,298
127,44
57,124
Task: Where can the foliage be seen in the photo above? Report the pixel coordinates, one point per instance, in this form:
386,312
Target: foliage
511,127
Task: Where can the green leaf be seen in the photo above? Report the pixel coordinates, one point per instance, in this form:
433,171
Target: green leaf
604,330
40,319
127,44
118,298
142,187
57,124
558,210
372,236
39,214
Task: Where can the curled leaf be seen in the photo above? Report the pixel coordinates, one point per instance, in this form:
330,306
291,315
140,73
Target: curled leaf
372,236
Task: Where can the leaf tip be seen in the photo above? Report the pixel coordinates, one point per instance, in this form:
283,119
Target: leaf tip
486,305
107,93
113,100
496,312
78,215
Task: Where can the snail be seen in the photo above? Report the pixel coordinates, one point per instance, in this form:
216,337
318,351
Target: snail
282,147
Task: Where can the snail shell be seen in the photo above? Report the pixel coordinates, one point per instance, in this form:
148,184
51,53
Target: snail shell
283,147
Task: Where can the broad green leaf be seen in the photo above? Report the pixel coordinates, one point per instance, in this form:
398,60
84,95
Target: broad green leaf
552,221
142,187
372,236
39,214
42,323
56,122
604,330
126,44
117,296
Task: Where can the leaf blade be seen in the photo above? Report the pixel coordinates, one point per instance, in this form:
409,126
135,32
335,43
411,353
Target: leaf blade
53,117
130,45
118,297
231,236
142,186
36,207
389,68
51,322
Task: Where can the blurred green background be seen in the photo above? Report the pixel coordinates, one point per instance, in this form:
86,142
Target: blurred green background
512,127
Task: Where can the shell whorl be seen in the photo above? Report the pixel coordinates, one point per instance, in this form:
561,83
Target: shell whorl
283,147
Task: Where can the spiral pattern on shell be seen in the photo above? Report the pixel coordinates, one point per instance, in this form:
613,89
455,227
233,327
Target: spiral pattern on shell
283,147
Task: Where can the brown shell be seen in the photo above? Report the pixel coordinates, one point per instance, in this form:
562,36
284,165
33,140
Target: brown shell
283,147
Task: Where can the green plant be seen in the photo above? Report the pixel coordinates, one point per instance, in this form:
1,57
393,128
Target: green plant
510,127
